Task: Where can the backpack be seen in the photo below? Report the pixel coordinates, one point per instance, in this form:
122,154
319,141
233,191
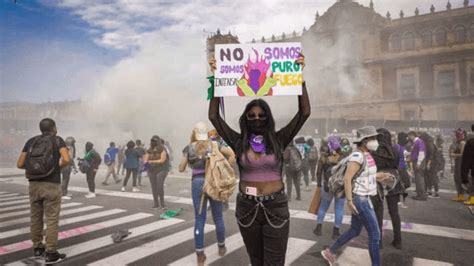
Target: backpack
84,166
220,180
336,180
40,160
107,159
293,159
313,154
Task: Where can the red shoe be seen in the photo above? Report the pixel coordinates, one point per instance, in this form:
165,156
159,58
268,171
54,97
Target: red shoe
328,256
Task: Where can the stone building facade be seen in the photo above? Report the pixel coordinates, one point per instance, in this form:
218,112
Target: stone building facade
368,68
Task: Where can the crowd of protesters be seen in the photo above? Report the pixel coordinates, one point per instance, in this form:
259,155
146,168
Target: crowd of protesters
380,166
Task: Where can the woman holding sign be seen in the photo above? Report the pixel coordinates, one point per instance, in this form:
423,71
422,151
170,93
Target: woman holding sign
262,205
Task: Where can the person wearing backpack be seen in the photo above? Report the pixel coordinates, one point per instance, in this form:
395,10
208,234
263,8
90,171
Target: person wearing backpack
293,164
156,159
91,158
359,183
131,165
110,156
42,158
312,158
195,155
67,170
262,205
327,162
387,159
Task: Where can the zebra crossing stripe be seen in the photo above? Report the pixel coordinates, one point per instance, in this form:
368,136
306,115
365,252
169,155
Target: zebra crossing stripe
26,230
5,209
63,213
8,195
150,248
13,198
77,231
232,243
3,192
18,213
424,262
360,257
13,202
424,229
105,241
296,248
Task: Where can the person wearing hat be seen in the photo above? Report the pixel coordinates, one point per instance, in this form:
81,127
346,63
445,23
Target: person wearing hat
358,190
195,155
456,154
154,159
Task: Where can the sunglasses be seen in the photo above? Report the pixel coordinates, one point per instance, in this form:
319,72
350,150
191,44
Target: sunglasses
255,116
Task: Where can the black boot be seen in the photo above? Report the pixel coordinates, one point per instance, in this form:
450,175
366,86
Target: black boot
335,233
317,230
397,244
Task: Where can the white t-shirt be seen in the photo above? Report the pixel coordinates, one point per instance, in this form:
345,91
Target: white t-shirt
366,183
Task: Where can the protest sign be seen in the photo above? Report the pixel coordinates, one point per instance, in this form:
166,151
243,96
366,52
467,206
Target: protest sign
257,69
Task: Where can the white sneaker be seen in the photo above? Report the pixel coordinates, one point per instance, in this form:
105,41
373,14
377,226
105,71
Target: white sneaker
402,205
66,198
123,189
90,195
135,189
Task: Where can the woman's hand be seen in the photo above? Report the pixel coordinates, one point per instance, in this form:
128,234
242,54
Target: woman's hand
300,61
352,207
212,64
381,176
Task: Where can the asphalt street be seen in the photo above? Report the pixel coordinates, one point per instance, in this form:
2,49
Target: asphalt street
436,232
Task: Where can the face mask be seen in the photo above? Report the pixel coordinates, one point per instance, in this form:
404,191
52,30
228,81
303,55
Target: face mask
256,126
372,145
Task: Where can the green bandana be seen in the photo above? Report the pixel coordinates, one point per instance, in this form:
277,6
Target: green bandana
210,90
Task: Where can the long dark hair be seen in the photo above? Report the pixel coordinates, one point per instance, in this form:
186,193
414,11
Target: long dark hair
269,135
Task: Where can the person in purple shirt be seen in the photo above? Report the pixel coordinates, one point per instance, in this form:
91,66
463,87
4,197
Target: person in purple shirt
417,159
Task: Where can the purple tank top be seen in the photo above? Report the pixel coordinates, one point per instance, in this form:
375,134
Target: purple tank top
266,168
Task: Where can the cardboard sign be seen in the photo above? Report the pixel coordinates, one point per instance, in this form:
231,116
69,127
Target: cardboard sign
257,69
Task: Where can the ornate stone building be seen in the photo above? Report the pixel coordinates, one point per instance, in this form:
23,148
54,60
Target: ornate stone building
365,68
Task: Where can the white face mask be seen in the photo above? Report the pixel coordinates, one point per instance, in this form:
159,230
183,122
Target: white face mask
372,145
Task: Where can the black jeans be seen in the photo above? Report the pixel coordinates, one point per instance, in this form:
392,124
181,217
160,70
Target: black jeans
293,177
128,172
157,180
392,204
66,174
90,175
264,227
431,179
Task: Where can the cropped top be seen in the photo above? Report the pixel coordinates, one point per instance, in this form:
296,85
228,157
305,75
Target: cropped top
265,168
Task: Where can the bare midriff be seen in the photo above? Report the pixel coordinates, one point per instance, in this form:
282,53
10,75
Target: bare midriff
263,188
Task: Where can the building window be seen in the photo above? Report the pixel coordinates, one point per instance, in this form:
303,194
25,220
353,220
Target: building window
460,34
409,41
446,82
395,42
427,39
409,114
440,37
407,86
